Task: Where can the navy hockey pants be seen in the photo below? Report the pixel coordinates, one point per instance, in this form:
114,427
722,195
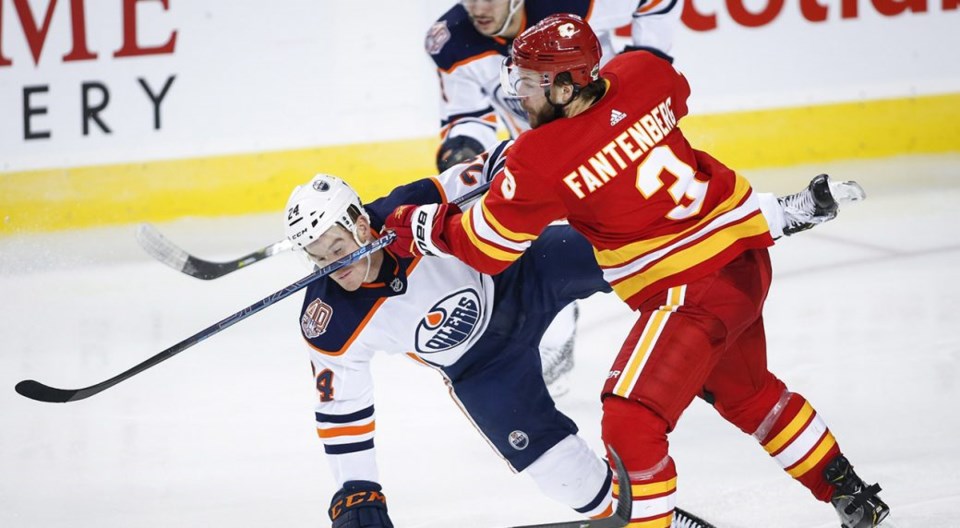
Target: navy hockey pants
499,381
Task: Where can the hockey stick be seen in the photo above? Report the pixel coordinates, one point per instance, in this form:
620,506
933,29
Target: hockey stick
38,391
170,254
165,251
619,519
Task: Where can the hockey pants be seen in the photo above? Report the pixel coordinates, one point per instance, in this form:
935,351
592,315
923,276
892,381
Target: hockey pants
706,338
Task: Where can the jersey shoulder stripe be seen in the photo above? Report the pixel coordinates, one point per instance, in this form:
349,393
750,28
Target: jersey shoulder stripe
331,318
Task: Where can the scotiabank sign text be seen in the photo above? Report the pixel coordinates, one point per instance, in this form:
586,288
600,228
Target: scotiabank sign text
699,19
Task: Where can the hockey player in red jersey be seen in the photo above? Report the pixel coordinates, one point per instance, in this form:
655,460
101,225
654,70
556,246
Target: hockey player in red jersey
679,237
468,42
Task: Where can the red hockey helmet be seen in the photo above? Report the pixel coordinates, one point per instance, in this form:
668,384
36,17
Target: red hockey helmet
559,43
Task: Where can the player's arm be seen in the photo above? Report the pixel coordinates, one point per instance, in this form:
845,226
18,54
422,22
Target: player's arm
491,234
468,121
346,422
449,185
653,26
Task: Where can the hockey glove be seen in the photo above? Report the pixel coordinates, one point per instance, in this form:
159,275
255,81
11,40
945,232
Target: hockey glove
419,229
359,504
457,149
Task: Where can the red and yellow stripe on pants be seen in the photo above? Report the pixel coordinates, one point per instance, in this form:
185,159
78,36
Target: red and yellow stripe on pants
803,445
653,503
645,343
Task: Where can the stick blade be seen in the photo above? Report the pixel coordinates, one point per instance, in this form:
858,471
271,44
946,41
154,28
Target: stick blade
161,249
38,391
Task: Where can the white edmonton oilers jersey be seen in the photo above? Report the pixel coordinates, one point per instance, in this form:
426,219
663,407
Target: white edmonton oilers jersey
433,309
468,64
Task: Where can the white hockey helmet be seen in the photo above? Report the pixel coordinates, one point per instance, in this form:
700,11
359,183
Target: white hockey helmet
324,202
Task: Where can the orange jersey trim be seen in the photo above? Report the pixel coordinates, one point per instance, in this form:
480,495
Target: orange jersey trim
468,60
440,189
363,324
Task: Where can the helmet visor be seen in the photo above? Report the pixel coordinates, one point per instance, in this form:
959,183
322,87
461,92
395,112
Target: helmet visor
518,83
509,78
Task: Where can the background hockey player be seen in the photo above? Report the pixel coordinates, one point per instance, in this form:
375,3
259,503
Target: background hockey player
680,238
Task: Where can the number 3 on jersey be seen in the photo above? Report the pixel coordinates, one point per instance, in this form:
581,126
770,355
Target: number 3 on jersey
650,180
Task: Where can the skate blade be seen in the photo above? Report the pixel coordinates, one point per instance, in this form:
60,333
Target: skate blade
847,192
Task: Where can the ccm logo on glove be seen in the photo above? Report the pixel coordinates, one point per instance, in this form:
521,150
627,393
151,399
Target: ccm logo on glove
353,500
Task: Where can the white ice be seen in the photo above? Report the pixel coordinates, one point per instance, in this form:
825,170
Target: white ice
862,319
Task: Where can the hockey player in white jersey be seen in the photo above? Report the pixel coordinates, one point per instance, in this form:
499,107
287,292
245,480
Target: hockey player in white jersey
468,43
480,333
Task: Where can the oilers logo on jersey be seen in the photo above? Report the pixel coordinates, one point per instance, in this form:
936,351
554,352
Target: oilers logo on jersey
449,323
316,318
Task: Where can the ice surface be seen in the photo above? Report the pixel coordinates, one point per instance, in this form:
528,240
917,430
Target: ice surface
862,319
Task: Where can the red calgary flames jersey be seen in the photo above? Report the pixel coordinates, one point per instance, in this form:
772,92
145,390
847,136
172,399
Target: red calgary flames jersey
657,212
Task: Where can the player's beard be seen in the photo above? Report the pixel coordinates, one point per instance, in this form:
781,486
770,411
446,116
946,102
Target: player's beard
545,114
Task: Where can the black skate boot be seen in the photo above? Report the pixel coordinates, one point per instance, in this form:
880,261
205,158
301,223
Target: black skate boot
557,361
857,504
818,203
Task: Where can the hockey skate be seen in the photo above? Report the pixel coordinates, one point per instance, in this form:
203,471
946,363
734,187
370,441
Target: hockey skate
818,203
557,364
857,504
556,356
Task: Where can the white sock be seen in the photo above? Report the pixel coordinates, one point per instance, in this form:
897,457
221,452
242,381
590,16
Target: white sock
773,212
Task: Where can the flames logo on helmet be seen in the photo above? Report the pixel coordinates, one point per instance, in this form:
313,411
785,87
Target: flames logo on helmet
449,323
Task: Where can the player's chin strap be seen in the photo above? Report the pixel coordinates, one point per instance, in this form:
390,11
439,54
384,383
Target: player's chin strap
514,7
360,243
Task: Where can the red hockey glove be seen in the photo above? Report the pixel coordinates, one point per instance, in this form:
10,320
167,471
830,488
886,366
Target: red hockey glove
359,504
419,229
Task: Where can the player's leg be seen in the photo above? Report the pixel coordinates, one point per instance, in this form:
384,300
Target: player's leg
558,269
788,428
663,365
657,373
818,203
556,350
784,423
505,396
